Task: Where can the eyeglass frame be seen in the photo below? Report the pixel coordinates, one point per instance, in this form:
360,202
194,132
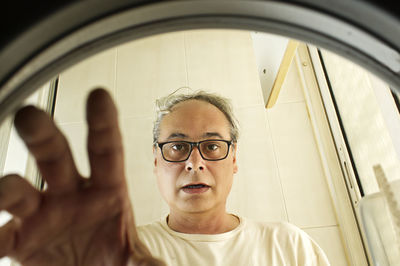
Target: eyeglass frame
194,144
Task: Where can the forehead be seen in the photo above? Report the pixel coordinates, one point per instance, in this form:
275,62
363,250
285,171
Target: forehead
194,119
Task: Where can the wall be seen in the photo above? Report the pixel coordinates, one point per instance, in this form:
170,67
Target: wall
280,174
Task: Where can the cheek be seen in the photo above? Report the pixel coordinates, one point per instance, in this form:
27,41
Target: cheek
167,177
222,174
225,176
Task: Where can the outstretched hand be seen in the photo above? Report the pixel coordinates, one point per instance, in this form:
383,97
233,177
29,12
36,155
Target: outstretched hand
76,220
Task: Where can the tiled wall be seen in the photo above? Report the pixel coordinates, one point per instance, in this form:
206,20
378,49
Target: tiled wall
305,191
280,175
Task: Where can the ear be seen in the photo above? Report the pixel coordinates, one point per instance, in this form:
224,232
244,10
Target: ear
155,160
155,155
235,166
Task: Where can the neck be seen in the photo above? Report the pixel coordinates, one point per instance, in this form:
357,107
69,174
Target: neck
202,223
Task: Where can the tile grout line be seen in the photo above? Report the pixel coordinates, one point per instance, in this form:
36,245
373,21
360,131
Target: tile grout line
250,106
277,167
120,117
319,227
115,73
185,58
298,101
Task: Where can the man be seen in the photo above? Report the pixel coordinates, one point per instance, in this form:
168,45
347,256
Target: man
89,221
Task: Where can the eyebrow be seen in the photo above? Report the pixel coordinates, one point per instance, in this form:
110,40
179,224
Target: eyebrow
184,136
212,134
177,135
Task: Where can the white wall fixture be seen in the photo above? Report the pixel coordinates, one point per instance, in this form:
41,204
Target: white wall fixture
380,217
269,50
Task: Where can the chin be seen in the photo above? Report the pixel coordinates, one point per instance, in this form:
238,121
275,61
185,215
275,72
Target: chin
196,207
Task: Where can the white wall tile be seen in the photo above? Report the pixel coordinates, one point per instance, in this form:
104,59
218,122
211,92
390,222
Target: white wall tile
291,88
328,238
223,61
306,194
257,191
146,199
147,69
76,134
76,82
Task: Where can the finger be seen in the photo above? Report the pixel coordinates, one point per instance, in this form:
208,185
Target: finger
18,197
104,140
49,147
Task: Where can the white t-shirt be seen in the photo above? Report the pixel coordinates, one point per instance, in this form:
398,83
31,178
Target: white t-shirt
251,243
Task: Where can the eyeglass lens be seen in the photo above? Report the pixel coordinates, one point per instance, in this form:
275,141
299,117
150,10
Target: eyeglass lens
210,150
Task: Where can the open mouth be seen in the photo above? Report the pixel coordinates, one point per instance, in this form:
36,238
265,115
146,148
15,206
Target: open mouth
195,188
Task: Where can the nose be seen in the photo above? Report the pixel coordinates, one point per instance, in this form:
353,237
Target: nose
195,162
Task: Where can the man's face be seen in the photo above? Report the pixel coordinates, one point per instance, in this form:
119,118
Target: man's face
195,121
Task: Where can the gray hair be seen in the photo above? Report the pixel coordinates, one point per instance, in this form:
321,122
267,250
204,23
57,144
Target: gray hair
165,104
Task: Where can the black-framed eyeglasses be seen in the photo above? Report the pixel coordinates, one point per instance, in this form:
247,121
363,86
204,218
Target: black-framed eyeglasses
210,150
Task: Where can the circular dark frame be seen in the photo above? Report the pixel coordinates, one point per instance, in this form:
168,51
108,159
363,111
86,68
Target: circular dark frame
38,42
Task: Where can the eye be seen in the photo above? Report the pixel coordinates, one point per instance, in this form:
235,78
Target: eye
212,147
177,147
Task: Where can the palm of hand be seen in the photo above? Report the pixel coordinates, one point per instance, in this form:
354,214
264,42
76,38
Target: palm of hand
76,221
89,227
